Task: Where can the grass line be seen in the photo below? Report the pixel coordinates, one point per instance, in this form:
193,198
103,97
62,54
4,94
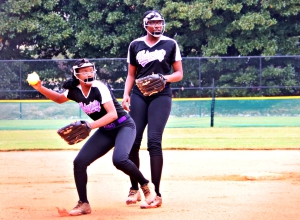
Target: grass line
174,138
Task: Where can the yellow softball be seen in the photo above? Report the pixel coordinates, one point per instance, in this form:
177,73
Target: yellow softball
33,78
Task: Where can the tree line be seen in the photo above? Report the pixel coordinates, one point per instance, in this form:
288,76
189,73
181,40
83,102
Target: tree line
212,29
46,29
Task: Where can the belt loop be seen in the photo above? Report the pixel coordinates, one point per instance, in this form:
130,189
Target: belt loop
123,118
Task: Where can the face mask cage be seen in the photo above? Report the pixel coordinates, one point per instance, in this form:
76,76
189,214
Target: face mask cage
84,63
153,16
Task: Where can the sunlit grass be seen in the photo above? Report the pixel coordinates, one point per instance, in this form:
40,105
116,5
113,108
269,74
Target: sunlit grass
174,138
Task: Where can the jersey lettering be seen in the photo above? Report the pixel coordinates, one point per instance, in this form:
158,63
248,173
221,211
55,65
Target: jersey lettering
90,108
144,57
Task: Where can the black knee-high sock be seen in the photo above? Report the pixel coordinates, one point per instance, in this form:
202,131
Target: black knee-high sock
81,181
156,163
136,160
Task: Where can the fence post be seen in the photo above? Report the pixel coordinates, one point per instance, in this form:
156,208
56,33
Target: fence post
200,93
212,109
20,81
260,76
21,110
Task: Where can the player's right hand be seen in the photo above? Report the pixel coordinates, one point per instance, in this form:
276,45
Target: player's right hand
38,85
126,102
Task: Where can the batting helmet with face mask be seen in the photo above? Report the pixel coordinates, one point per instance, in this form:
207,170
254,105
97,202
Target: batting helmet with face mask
84,63
154,16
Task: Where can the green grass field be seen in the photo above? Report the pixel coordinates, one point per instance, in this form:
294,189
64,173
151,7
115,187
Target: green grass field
173,122
258,138
239,123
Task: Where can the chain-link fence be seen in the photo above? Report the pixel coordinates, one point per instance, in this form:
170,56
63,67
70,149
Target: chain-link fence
220,92
185,113
226,76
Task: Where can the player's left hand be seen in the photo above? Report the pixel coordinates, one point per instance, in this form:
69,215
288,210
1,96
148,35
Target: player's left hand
75,132
126,102
151,84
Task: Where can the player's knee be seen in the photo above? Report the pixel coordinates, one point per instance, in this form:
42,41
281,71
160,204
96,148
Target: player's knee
155,150
154,143
79,165
119,163
135,150
138,141
154,138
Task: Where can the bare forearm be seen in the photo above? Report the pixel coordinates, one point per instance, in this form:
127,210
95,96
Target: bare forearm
106,119
128,85
50,94
109,117
174,77
177,75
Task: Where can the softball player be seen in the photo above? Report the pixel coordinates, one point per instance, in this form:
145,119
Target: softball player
153,53
115,129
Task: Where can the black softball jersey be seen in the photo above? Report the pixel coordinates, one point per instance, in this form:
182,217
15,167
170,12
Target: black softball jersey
92,104
164,53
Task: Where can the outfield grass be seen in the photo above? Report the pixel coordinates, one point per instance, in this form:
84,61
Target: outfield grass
262,138
173,122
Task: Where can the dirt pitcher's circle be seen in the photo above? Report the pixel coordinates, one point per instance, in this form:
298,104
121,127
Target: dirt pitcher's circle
195,185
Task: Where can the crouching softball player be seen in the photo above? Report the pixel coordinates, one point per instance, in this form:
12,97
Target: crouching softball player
115,128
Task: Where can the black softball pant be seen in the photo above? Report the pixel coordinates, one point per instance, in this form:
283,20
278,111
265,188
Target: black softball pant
153,111
103,140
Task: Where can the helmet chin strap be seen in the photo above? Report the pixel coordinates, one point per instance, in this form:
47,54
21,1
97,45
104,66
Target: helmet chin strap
155,33
90,79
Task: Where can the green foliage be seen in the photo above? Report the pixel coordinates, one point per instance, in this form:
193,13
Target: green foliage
227,76
98,29
47,29
234,27
9,79
249,76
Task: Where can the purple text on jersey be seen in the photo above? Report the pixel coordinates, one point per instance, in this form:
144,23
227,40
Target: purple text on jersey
90,108
144,57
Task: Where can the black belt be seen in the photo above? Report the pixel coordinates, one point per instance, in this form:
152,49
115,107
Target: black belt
116,122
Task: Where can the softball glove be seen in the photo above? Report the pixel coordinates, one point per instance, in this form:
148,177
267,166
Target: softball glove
151,84
75,132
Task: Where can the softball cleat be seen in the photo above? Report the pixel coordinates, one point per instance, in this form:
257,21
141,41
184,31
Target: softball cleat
81,208
155,204
149,193
133,197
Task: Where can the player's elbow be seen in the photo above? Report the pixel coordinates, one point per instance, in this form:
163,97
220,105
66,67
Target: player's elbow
113,116
180,76
59,101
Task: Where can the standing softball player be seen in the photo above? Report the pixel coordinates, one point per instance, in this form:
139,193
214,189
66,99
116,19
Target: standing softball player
115,128
158,54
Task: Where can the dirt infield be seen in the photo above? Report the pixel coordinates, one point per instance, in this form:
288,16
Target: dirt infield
195,185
